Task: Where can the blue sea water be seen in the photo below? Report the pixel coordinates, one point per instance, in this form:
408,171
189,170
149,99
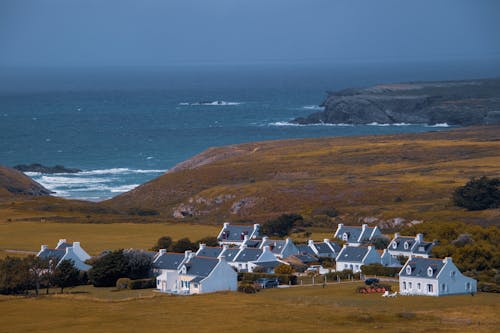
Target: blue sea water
124,127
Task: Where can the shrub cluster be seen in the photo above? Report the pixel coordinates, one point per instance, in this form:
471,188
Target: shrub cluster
283,278
380,270
342,275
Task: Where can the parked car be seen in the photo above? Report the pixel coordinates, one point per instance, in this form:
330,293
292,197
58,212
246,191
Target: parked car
267,283
371,281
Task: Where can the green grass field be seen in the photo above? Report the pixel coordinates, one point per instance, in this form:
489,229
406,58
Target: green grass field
336,308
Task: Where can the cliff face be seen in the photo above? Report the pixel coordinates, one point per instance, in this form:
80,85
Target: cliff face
473,102
13,183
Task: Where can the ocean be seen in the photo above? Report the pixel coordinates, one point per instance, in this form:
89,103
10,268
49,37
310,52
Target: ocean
126,126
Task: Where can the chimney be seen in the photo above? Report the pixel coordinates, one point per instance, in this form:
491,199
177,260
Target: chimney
326,240
264,239
287,241
370,248
226,225
419,238
44,247
69,249
76,245
447,260
397,234
202,246
222,259
364,226
225,247
162,252
245,238
256,228
310,242
61,241
188,254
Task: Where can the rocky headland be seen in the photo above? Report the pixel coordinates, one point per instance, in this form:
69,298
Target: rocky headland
45,169
14,183
462,103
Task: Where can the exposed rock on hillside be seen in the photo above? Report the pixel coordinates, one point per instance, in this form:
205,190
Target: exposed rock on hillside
45,169
472,102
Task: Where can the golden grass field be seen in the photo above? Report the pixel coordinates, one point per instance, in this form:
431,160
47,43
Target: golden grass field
336,308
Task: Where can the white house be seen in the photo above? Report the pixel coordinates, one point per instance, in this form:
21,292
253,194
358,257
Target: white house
434,277
66,251
204,275
324,249
355,236
281,248
236,234
353,257
167,266
409,246
249,258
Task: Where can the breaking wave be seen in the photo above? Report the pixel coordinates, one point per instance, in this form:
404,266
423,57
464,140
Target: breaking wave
211,103
286,123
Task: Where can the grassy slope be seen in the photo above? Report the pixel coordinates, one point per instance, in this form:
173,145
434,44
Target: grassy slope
359,176
304,309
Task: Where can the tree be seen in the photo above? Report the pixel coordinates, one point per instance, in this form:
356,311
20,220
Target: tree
478,194
138,265
209,241
164,242
283,269
14,276
184,244
38,269
66,275
281,226
381,242
107,269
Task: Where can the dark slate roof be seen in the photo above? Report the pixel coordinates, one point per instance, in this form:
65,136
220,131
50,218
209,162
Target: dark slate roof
353,233
423,248
56,254
236,232
352,254
269,264
306,259
212,252
63,246
419,267
323,247
197,279
400,242
276,245
201,266
169,261
248,254
304,249
231,253
336,247
253,243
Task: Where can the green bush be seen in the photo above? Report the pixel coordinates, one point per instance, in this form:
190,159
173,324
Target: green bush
142,283
478,194
342,275
283,278
380,270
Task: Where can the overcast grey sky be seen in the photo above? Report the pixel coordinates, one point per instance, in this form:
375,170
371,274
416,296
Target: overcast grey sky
163,32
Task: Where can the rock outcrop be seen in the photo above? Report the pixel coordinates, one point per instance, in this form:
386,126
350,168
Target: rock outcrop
463,103
13,183
45,169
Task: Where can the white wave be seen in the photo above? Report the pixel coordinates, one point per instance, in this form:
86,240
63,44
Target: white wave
211,103
123,188
377,124
286,123
438,125
32,174
313,107
67,181
114,171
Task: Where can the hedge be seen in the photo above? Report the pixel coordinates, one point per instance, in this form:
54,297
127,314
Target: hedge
122,283
282,278
142,283
380,270
342,275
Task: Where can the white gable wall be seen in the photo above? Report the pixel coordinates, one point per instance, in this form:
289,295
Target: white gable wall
70,255
222,277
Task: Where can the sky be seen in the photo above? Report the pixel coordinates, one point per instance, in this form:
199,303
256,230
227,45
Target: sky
81,33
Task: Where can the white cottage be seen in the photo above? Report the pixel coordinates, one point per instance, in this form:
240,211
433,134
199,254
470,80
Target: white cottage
355,236
409,246
167,266
236,234
434,277
324,249
353,257
204,275
66,251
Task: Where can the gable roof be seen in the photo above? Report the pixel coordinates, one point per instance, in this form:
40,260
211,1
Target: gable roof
248,254
276,245
423,248
169,261
231,253
212,252
63,246
200,266
322,247
420,266
304,249
355,234
54,254
352,254
400,242
235,232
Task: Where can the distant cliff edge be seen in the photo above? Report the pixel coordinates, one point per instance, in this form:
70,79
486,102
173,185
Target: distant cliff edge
464,103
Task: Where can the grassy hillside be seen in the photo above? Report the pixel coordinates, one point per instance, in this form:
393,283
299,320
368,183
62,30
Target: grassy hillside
14,183
335,308
410,176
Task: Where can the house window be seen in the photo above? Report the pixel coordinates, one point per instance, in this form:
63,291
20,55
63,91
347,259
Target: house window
394,245
443,287
467,286
430,271
346,266
404,285
406,245
430,289
409,285
345,236
418,286
452,274
408,270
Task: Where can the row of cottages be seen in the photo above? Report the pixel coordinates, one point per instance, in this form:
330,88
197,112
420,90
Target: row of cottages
236,234
66,251
187,274
434,277
356,236
409,246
